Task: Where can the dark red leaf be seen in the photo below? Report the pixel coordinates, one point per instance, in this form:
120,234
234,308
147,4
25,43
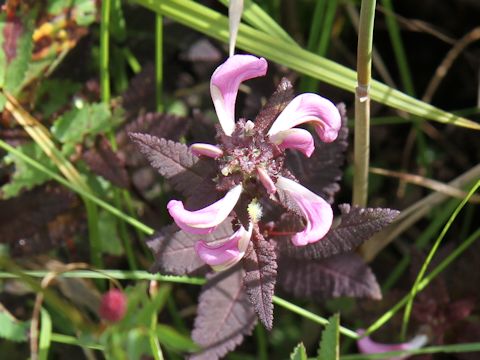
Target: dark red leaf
274,106
224,317
103,161
174,250
356,225
322,171
187,173
38,220
260,265
12,32
341,275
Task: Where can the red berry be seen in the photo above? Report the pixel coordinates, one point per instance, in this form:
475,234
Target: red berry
113,306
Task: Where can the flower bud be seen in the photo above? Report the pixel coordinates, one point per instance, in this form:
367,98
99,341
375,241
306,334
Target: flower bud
113,306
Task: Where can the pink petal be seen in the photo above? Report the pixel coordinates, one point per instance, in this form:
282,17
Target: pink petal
367,346
266,180
200,149
225,82
221,257
310,108
205,220
298,139
317,212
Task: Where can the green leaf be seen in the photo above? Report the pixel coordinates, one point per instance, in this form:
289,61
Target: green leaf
214,24
329,345
45,335
89,119
16,48
108,233
49,99
299,353
25,176
137,343
171,338
12,329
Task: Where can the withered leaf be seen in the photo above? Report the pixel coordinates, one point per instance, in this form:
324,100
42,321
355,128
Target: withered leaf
340,275
186,173
260,267
356,226
174,250
103,161
224,315
274,106
322,171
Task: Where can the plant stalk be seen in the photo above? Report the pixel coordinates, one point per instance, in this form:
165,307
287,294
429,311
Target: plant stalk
362,103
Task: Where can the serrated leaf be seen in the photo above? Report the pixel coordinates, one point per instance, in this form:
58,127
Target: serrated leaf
17,44
355,226
260,267
140,95
187,173
330,345
174,250
322,172
30,213
224,315
165,126
299,353
340,275
74,125
275,105
103,161
25,177
11,328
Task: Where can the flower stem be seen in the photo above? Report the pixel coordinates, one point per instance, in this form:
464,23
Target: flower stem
362,103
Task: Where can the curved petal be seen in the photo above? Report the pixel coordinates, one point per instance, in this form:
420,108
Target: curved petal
310,108
205,220
201,149
225,82
221,257
317,212
367,346
298,139
266,180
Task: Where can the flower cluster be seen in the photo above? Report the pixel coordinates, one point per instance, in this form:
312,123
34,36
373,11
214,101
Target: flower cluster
251,163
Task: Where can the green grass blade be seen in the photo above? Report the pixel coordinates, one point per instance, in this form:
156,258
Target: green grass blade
261,20
45,335
214,24
436,245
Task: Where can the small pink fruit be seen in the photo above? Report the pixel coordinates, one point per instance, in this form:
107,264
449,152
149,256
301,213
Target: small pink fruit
113,306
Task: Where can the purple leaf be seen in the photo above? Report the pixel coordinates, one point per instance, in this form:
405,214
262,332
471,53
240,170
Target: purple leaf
274,106
103,161
140,95
341,275
356,226
261,271
187,173
224,317
321,172
174,250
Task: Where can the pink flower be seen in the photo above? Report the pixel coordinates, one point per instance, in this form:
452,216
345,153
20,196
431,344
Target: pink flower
367,346
245,153
113,306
